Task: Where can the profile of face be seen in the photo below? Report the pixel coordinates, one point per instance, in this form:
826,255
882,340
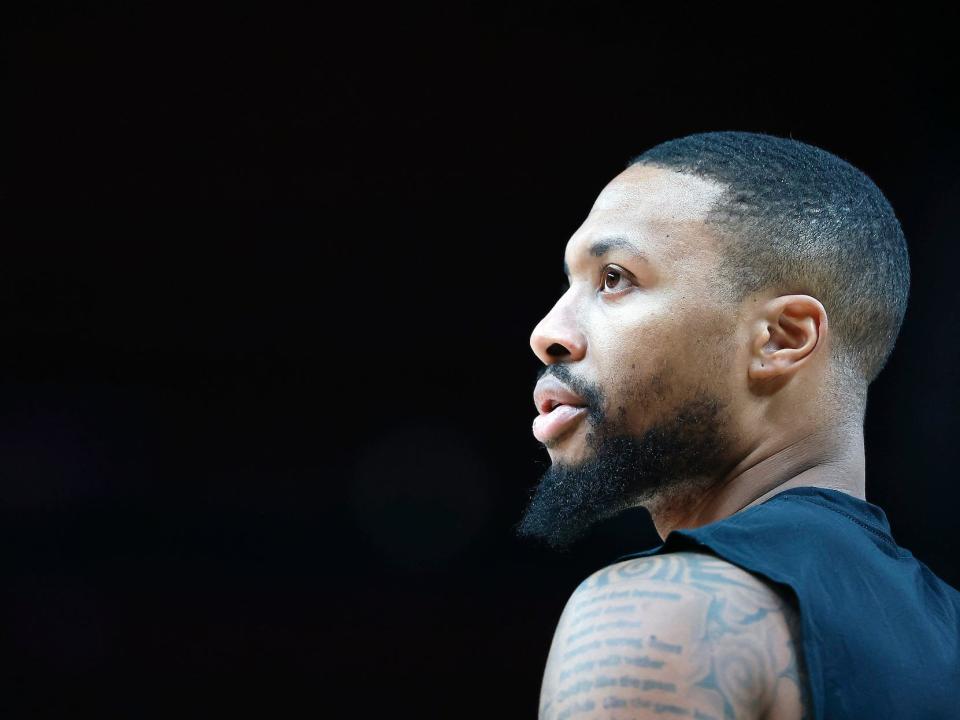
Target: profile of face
639,342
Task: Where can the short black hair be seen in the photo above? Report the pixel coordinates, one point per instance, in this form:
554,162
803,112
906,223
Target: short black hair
798,219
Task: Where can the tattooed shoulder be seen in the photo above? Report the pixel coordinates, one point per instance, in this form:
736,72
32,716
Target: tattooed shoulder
682,634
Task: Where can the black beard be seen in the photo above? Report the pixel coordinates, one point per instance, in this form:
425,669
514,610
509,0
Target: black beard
677,459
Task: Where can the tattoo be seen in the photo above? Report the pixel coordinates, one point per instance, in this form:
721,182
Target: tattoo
682,634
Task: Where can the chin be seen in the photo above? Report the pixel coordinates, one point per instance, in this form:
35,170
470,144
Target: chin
569,450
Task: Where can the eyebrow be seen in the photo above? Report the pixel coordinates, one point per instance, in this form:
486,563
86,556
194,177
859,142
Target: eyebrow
602,247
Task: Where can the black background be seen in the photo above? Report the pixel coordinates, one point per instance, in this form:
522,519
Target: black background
267,296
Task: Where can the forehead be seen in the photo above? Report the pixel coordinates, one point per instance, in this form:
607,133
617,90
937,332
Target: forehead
662,213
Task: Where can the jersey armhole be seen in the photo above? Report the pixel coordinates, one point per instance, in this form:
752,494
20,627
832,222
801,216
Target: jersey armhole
788,596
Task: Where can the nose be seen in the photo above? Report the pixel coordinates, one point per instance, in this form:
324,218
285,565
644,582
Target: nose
557,337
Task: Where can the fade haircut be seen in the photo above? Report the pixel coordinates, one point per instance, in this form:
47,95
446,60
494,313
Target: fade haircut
799,220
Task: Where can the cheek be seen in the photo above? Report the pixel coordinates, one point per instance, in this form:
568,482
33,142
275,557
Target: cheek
627,351
639,388
617,345
640,365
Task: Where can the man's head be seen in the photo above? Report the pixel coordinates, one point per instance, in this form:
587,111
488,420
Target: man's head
695,328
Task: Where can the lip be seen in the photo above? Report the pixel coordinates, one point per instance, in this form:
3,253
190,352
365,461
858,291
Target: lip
550,392
549,426
560,409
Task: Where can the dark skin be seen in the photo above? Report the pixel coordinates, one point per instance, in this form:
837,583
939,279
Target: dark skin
648,340
697,410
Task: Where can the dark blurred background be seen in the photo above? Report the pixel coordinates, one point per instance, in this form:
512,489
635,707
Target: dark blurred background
267,293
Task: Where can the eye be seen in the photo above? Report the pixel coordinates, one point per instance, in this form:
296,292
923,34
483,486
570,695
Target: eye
613,275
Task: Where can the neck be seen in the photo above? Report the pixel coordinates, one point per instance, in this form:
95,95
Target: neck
832,458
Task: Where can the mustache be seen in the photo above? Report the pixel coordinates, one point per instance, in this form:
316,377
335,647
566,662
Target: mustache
561,371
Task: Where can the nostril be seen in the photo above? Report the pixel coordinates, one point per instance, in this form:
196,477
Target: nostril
556,350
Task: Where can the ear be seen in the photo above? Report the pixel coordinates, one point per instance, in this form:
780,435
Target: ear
790,329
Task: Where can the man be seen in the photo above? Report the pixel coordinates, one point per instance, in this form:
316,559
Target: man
731,297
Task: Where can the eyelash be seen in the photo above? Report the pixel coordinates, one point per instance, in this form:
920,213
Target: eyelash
623,274
620,271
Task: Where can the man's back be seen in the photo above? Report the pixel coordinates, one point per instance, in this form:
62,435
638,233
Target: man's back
879,632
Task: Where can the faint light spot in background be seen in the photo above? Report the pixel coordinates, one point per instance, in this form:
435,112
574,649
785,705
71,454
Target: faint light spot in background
420,494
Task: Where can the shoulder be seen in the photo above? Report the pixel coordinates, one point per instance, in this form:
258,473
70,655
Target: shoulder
683,633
